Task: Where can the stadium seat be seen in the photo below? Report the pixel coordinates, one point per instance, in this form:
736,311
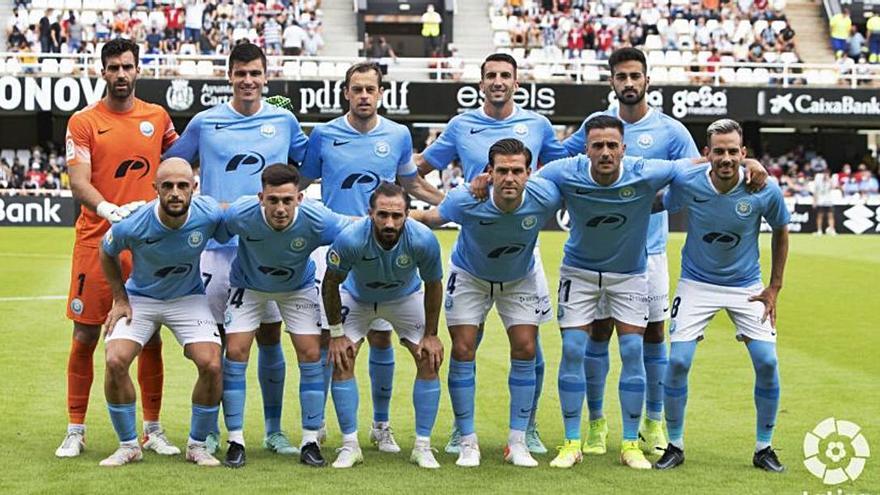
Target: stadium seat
188,49
501,38
55,4
653,42
712,24
687,57
13,65
590,73
205,68
659,74
8,155
588,55
727,74
759,26
326,69
673,58
50,66
743,75
729,27
308,69
499,23
73,4
290,70
340,69
34,16
771,57
703,56
678,74
542,72
681,26
39,5
519,54
89,17
66,66
187,68
778,25
760,76
471,72
23,155
90,5
788,58
655,58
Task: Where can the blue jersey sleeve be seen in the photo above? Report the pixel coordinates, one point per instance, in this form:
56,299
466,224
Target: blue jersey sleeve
187,145
443,150
450,207
551,196
332,225
115,240
551,148
406,167
341,254
312,166
430,266
775,210
298,141
682,145
672,198
552,172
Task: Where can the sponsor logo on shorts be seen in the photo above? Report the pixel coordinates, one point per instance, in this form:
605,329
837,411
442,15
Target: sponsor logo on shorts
627,192
333,258
76,306
403,261
195,239
448,303
743,208
520,130
147,128
298,244
560,312
836,451
382,149
267,131
529,222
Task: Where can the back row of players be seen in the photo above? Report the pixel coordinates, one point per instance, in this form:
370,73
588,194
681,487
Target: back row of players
226,261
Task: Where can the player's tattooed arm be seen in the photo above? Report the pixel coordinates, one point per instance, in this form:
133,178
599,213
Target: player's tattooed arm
779,248
418,187
341,351
121,307
431,348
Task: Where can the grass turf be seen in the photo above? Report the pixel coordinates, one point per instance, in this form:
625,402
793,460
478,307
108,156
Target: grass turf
827,354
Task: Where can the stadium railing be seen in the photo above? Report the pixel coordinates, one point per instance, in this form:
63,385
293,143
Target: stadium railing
781,73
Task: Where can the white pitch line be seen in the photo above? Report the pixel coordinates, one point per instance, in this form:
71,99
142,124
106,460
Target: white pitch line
35,255
32,298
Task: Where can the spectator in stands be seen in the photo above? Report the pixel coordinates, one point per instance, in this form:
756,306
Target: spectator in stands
208,40
74,34
315,42
379,51
5,174
867,183
45,31
272,36
294,37
841,26
822,188
855,44
873,27
785,39
431,30
15,39
195,9
170,43
154,41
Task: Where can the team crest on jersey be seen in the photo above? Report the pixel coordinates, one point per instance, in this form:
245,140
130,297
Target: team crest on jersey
76,305
403,261
147,128
743,208
520,130
529,222
195,239
267,130
645,141
627,192
298,244
333,258
382,149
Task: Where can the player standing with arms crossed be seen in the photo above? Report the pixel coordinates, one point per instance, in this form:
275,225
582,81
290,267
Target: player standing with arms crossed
233,143
113,150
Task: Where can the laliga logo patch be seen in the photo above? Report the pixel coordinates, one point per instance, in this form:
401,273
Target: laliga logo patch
76,305
836,451
382,149
743,208
109,237
627,192
403,261
645,141
147,128
520,130
529,222
298,244
195,239
71,150
267,130
333,258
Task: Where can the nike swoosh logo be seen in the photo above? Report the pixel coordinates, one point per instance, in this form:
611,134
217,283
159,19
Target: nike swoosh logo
251,239
483,222
314,416
152,241
370,259
477,131
102,131
527,410
666,309
545,311
339,143
635,416
646,318
385,389
461,415
698,200
567,414
216,334
221,126
581,190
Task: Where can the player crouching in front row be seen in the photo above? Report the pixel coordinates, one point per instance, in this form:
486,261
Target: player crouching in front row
166,238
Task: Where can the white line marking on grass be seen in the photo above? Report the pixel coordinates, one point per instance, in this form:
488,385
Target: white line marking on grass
31,298
36,255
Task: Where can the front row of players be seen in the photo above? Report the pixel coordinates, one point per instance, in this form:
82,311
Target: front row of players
379,260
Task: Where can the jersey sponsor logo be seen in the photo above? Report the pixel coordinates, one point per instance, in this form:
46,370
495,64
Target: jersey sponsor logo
584,191
448,304
298,244
743,208
529,222
486,222
182,269
506,250
382,149
333,258
384,285
645,141
137,163
180,95
612,221
195,239
267,130
146,128
403,261
251,158
727,240
521,130
77,306
627,192
253,239
274,271
227,319
366,181
368,259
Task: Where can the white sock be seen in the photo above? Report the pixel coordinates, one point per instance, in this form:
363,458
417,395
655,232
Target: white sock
516,436
759,446
190,441
423,441
678,443
237,436
129,444
350,439
152,426
469,438
309,436
75,428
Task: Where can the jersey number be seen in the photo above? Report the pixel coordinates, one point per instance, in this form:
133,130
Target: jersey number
344,312
237,298
450,285
82,283
207,277
675,303
564,289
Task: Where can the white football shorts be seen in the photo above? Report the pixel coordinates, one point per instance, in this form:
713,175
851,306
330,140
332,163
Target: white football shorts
406,315
188,318
319,256
695,304
658,291
299,310
215,265
580,293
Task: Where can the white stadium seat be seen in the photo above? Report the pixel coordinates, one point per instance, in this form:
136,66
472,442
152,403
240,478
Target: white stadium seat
761,76
205,68
678,74
656,57
653,42
471,72
187,68
326,69
8,155
50,66
309,69
743,75
659,74
290,69
66,66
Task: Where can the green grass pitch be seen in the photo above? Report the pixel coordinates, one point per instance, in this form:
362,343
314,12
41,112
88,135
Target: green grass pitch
828,345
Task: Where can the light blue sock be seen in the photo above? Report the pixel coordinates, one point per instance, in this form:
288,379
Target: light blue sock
381,381
204,418
675,389
766,366
311,394
631,386
539,379
521,383
345,398
596,366
572,381
426,399
655,368
124,421
271,372
461,385
234,393
327,370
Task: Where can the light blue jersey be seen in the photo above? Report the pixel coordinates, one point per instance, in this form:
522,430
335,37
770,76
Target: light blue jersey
165,261
351,164
494,245
232,149
269,260
379,275
656,136
469,136
722,236
609,224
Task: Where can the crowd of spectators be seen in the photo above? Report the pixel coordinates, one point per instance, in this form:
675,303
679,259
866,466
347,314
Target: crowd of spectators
735,30
186,27
852,43
797,170
37,168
